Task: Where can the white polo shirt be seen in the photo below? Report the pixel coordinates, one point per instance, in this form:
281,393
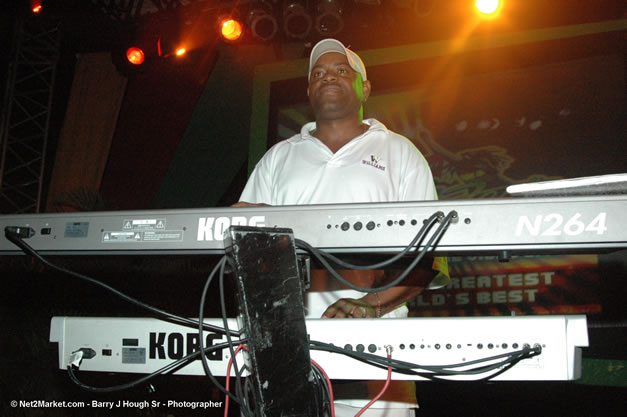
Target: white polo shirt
377,166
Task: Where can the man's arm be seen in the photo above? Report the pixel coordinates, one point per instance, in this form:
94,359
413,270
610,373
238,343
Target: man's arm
247,204
380,303
372,305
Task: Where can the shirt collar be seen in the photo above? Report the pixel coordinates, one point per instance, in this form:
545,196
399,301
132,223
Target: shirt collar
311,126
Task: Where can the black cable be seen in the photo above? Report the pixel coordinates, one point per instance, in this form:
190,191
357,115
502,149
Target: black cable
506,367
241,393
201,342
317,392
368,358
180,362
247,400
317,389
434,371
436,236
415,241
323,393
402,276
19,242
402,364
440,368
238,381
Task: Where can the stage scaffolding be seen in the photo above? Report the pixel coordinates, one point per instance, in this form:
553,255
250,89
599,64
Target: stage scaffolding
26,113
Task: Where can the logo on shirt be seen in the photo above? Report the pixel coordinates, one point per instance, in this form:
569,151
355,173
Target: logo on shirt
374,161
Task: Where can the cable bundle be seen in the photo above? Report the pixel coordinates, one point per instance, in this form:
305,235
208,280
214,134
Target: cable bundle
485,368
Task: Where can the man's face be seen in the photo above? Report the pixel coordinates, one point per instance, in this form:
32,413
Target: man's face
332,88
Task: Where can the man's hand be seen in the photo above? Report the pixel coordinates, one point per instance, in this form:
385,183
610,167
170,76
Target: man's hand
350,308
246,204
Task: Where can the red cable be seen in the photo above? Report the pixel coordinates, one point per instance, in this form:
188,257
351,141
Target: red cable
382,389
228,378
330,387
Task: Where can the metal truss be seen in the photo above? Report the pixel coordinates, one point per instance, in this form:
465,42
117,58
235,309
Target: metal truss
124,10
26,114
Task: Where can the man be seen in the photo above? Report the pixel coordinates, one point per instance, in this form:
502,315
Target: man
341,158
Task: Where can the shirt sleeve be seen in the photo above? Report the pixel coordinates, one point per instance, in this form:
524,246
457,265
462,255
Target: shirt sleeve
258,188
418,185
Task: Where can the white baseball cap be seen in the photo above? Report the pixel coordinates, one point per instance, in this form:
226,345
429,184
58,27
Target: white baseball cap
332,45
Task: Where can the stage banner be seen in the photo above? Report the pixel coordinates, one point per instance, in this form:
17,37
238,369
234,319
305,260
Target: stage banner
480,286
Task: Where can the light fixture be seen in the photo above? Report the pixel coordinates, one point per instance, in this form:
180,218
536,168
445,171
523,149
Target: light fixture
168,39
296,20
35,6
231,29
133,50
167,48
135,55
329,21
262,23
488,8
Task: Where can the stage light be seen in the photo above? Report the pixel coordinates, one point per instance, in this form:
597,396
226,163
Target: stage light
329,21
231,29
169,47
296,20
135,55
488,8
262,23
35,6
130,58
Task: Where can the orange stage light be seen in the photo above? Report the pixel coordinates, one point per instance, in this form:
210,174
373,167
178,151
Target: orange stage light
231,29
135,56
35,6
167,49
488,8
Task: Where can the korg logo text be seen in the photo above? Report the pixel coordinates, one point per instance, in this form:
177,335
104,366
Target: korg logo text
212,228
176,345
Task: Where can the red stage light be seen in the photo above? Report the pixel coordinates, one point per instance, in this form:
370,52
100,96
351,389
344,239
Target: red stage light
135,56
35,6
